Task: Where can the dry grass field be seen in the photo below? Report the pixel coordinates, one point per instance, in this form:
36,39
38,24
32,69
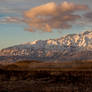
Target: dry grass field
36,76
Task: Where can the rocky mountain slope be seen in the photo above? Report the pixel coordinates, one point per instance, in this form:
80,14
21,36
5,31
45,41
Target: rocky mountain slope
69,47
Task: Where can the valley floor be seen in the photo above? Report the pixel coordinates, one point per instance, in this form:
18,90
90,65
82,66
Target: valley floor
49,79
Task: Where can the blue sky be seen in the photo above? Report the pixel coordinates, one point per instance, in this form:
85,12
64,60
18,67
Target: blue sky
13,30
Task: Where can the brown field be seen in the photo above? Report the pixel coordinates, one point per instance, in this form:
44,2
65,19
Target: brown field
36,76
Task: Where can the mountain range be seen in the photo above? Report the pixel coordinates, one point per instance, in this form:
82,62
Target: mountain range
67,48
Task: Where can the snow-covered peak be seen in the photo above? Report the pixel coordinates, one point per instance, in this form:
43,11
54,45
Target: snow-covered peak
34,42
89,32
75,42
83,39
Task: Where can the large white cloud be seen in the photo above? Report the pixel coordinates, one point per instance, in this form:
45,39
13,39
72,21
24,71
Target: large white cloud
53,16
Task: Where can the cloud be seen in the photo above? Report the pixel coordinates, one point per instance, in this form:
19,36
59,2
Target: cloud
53,16
8,19
86,19
88,16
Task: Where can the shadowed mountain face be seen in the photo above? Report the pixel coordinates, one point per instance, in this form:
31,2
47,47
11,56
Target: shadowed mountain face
67,48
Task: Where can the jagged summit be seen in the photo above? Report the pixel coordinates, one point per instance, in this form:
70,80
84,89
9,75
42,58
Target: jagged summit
87,32
61,47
